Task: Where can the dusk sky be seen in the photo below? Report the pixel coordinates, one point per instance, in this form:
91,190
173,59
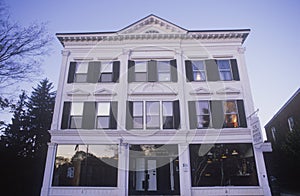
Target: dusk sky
272,47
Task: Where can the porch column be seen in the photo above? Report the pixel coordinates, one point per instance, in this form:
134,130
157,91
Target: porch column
184,170
48,173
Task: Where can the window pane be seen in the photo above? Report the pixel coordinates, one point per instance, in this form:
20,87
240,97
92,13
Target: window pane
225,75
231,121
140,77
76,109
152,107
138,122
137,108
164,77
202,107
140,66
163,66
168,122
103,109
198,65
103,122
76,122
153,122
203,121
222,165
223,64
199,76
80,78
82,67
230,107
106,77
106,67
168,108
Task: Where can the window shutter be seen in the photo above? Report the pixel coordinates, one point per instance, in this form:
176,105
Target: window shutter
93,72
89,115
242,115
174,77
131,77
192,114
152,71
235,71
129,114
176,114
113,115
72,70
189,71
217,114
66,115
212,70
116,71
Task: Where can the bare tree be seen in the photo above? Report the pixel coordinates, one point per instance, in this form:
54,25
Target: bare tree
21,50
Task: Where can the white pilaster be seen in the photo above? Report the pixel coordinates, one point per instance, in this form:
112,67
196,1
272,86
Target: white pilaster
184,170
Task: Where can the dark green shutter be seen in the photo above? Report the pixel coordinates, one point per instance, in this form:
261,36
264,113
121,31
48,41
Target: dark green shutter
217,114
212,70
129,114
116,71
189,71
176,114
71,74
152,71
66,115
242,115
93,72
131,76
174,77
89,115
235,71
113,116
192,114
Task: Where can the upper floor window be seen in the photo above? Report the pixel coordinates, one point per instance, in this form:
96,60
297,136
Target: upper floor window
153,115
152,71
94,71
90,115
217,114
211,70
291,123
273,132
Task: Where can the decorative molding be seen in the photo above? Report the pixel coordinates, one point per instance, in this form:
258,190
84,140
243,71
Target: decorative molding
83,58
104,92
228,90
78,92
65,52
222,56
201,91
153,89
241,50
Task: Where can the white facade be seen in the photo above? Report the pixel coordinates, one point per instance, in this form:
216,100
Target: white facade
153,38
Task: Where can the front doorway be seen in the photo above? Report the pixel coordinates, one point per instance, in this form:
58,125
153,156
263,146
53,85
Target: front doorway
154,170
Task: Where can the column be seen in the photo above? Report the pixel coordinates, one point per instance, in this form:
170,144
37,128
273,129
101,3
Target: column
184,170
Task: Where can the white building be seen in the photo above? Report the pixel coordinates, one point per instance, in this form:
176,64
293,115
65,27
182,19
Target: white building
154,109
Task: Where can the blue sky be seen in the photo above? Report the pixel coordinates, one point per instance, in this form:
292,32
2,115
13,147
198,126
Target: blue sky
272,48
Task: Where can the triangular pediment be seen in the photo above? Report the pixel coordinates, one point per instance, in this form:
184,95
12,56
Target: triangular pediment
152,25
153,89
104,92
228,90
78,92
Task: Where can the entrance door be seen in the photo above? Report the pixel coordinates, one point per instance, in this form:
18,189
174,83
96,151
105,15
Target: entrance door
151,170
146,178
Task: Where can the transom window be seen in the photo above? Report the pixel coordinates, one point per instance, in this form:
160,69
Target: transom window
224,69
81,72
198,71
76,114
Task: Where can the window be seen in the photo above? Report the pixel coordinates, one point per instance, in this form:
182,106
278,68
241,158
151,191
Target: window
103,115
291,123
212,70
158,115
273,131
216,114
90,115
76,115
223,165
81,72
106,74
224,69
231,114
86,165
94,71
152,71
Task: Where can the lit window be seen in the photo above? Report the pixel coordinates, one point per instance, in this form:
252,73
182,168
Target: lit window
224,69
103,115
106,73
291,123
76,115
203,114
198,71
231,114
81,72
